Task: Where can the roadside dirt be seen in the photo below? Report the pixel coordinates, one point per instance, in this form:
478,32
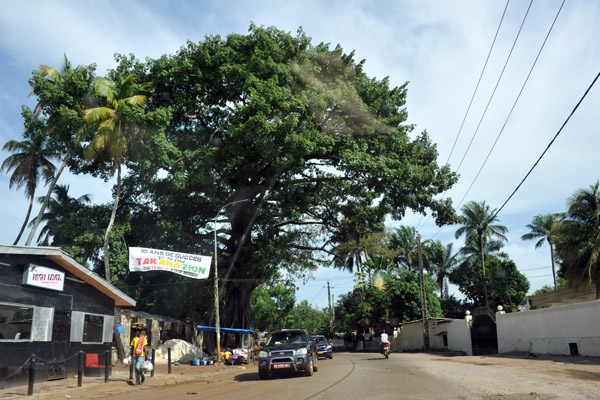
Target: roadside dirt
119,382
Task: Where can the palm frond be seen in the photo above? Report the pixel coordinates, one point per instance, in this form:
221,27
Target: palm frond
98,114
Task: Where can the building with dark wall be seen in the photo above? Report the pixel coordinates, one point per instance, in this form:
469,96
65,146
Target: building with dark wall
53,307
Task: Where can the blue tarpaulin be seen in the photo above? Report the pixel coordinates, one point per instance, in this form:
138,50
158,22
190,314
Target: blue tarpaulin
214,329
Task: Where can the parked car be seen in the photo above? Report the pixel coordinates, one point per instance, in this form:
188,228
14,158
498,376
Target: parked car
287,350
323,346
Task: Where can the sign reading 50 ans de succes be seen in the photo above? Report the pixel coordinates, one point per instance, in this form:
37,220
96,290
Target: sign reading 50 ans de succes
190,265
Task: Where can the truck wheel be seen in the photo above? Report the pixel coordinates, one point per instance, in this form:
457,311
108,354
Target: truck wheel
263,374
316,367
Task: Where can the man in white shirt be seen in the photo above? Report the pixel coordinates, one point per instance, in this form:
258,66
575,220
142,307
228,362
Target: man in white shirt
383,340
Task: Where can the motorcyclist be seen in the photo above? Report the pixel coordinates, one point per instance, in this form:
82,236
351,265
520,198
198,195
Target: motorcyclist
383,340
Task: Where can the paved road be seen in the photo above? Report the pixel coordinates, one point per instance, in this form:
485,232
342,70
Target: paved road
354,376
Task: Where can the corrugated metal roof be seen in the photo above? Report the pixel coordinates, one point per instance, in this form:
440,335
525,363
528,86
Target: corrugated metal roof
68,263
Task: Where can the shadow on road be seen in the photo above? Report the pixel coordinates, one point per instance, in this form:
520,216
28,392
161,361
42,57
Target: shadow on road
253,376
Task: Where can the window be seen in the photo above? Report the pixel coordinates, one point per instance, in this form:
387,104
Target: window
15,322
93,326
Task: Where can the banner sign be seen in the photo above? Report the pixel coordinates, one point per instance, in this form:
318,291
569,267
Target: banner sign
190,265
47,278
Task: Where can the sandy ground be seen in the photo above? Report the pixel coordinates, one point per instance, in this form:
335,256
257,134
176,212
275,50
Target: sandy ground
560,373
119,381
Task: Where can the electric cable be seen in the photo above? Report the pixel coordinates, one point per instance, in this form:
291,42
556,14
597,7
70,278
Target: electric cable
478,82
470,102
495,87
489,100
513,106
548,146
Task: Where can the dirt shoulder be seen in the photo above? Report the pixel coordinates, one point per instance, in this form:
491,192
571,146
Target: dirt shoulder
119,382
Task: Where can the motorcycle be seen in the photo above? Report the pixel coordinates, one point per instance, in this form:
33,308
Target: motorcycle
386,350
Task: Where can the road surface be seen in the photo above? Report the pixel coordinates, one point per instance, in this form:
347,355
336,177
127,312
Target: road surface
354,376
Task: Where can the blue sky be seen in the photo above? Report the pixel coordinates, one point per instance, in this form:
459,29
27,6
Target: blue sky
438,46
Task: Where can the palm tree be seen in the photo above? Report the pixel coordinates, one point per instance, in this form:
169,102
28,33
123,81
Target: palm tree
441,262
578,240
114,129
478,222
404,241
46,75
60,208
544,227
30,161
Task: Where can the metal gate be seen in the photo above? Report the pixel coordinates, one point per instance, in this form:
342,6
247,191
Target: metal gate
61,332
484,337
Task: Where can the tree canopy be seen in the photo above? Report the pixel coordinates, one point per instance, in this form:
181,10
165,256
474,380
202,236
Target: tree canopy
306,148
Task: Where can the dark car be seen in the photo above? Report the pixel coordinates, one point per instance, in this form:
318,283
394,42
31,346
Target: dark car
323,346
287,350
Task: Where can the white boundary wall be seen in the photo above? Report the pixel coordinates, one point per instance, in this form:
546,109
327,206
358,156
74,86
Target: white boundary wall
550,330
457,331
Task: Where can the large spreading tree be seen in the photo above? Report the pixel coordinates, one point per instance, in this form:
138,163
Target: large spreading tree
292,145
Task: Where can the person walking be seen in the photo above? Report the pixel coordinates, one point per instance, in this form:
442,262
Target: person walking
139,343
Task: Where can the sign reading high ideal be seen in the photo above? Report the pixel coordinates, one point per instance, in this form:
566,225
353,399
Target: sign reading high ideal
47,278
190,265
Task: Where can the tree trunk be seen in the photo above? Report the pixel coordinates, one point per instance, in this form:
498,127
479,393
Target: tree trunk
27,220
237,310
47,199
485,294
111,223
553,268
121,350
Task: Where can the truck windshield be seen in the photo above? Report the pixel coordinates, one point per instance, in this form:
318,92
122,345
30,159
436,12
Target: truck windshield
286,337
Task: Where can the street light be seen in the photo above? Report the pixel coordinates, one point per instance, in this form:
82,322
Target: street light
216,284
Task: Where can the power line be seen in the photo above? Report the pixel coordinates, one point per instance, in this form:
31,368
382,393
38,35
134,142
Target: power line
514,105
478,82
548,146
490,99
495,87
533,269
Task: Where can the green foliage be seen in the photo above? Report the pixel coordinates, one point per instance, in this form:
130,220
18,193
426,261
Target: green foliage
454,308
578,241
506,285
404,242
31,160
271,305
544,228
404,291
479,226
316,322
361,309
561,283
400,299
440,261
316,151
304,148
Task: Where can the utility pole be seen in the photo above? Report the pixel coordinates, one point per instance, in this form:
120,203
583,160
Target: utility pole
298,315
330,311
423,296
332,318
